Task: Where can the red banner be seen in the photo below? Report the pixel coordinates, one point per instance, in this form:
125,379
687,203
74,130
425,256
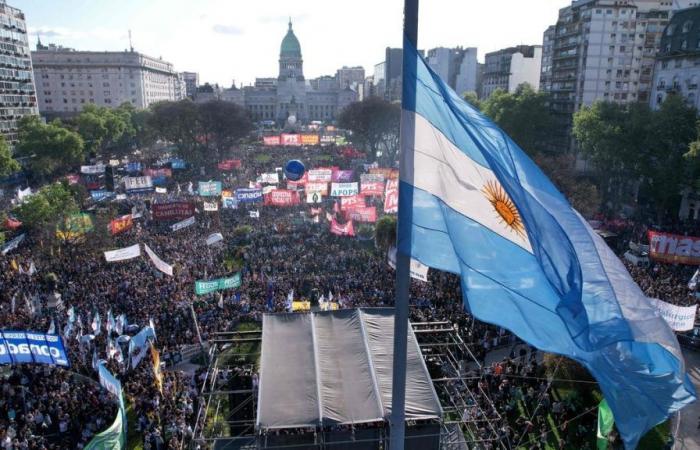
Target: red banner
351,202
155,173
271,140
342,230
674,248
391,197
281,197
363,214
229,164
121,224
172,210
372,188
290,139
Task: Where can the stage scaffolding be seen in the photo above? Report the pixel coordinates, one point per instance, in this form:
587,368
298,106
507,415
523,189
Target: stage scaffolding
228,413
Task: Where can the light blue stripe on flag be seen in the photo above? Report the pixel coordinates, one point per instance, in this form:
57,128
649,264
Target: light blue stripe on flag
472,203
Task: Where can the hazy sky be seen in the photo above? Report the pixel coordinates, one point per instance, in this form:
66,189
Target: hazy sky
227,40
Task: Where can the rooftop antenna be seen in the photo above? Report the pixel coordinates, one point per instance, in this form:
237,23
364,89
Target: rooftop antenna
131,47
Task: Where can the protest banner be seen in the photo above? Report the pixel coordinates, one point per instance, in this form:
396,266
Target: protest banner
679,318
100,194
310,139
389,174
290,139
314,198
348,203
134,167
12,244
372,188
121,224
136,185
282,197
321,188
176,210
254,214
159,173
344,189
229,164
372,178
97,169
249,195
214,238
342,176
74,226
391,197
229,202
122,254
211,206
419,271
320,175
159,263
202,287
21,347
271,140
182,224
270,178
177,163
367,214
342,230
209,188
674,248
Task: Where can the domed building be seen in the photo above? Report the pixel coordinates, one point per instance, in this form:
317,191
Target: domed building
291,95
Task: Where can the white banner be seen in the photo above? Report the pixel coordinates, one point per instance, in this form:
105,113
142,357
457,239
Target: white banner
182,224
123,253
679,318
344,189
268,189
92,170
13,244
161,190
159,263
254,214
138,183
320,175
270,178
211,206
419,271
214,238
314,198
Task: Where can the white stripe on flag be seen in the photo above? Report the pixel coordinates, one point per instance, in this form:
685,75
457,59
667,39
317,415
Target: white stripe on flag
444,171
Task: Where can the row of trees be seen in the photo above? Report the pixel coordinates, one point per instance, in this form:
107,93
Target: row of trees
201,131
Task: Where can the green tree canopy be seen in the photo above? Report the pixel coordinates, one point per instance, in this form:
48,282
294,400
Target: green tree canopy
223,124
525,116
374,123
8,165
104,128
48,207
50,148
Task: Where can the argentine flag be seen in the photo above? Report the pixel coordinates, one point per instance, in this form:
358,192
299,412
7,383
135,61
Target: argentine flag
472,203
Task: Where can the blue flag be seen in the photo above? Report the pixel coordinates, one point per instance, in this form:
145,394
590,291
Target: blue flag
472,203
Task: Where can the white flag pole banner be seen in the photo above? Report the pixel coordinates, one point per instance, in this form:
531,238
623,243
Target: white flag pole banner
419,271
182,224
13,244
123,254
679,318
159,263
344,189
211,206
254,214
214,238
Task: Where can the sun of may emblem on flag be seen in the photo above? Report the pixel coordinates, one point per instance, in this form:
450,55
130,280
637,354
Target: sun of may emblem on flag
504,206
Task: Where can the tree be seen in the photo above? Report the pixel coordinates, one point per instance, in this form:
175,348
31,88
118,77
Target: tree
385,232
525,116
103,128
48,207
223,124
51,149
374,123
7,164
581,192
472,98
177,122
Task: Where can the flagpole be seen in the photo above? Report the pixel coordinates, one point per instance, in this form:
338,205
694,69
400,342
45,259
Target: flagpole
403,261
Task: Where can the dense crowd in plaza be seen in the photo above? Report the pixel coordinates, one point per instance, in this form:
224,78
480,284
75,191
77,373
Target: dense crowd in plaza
283,250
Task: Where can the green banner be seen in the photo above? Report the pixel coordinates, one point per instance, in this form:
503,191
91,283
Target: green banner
113,438
75,226
605,424
205,287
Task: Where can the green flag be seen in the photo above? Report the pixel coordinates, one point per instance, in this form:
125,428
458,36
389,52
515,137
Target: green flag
605,424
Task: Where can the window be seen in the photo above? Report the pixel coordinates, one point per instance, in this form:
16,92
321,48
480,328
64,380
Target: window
687,26
669,31
684,44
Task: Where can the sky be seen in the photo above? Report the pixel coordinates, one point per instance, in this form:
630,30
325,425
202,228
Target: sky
227,40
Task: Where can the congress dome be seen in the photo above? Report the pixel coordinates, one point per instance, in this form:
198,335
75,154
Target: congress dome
290,44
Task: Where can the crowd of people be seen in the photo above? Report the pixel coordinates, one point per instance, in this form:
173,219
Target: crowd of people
282,250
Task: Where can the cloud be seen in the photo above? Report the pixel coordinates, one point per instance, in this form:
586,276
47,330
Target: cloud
227,29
